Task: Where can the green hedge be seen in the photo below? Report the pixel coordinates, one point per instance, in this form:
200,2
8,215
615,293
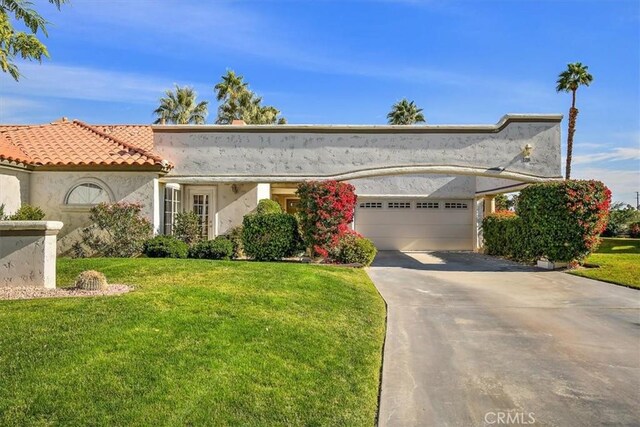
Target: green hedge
165,247
561,221
218,248
270,236
354,249
267,206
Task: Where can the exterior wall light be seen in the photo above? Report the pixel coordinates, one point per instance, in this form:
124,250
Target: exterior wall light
526,152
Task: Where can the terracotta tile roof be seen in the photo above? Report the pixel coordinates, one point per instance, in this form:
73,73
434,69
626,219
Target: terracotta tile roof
137,135
74,143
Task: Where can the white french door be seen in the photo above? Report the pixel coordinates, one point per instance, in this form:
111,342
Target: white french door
202,202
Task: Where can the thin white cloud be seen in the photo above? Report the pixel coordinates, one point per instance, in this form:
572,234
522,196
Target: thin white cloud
617,154
622,183
84,83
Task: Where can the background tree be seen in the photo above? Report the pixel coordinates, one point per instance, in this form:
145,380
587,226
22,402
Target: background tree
570,80
181,108
238,102
405,112
20,44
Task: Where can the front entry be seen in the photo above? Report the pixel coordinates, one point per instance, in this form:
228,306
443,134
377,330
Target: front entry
202,203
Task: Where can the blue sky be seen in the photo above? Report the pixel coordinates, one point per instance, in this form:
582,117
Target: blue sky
348,61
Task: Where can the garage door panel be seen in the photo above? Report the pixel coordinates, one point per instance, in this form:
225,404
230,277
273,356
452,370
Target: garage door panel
413,217
410,244
421,231
416,228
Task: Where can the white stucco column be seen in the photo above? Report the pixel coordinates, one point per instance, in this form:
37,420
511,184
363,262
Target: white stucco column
264,191
28,253
477,215
489,204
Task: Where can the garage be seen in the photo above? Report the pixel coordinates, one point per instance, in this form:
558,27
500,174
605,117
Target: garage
415,224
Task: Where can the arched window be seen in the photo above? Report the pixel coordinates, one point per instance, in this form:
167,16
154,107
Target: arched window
87,193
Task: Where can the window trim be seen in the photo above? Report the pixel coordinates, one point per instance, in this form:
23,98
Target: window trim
86,206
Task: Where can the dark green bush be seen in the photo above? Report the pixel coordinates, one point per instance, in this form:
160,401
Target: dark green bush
235,236
187,227
565,218
27,213
354,249
218,248
494,232
267,206
270,237
561,221
165,247
621,217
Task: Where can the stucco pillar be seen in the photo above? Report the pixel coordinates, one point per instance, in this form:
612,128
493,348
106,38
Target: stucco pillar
489,204
477,215
28,253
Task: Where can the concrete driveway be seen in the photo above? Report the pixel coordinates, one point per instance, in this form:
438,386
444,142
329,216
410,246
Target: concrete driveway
475,341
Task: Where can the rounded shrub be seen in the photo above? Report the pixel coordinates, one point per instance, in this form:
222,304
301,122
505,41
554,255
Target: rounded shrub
565,218
165,247
634,230
354,249
268,206
218,248
91,280
270,237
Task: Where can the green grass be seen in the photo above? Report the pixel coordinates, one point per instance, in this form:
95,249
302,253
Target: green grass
619,261
197,343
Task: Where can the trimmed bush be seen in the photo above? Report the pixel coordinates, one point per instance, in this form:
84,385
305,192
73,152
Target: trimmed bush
218,248
561,221
267,206
235,236
354,249
326,210
91,280
118,230
270,237
165,247
187,227
27,213
634,230
494,232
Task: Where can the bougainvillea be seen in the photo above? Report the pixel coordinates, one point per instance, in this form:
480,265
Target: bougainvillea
558,220
326,210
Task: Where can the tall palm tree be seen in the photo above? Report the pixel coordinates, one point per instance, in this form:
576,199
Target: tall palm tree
180,107
570,80
231,86
405,112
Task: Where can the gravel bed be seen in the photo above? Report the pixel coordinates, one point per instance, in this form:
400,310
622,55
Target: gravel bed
14,293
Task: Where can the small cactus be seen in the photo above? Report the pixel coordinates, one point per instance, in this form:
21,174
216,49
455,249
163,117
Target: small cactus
91,280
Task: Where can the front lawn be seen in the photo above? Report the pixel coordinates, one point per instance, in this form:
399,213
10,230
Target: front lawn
196,343
619,261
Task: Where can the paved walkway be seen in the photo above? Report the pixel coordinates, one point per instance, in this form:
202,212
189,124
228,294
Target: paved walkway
474,341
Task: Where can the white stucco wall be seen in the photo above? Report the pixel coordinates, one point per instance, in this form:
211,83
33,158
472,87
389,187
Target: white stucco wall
14,188
48,191
232,207
28,253
436,186
287,153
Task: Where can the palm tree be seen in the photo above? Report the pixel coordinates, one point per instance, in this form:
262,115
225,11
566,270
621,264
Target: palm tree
237,102
231,86
570,80
405,112
180,107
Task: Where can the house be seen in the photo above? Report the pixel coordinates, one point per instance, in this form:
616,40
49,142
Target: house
419,187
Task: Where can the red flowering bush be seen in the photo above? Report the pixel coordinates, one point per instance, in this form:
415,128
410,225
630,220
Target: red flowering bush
326,210
564,219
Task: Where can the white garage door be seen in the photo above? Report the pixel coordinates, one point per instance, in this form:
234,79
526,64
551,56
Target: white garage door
415,224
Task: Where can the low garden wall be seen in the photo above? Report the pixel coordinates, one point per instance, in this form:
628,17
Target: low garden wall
28,253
